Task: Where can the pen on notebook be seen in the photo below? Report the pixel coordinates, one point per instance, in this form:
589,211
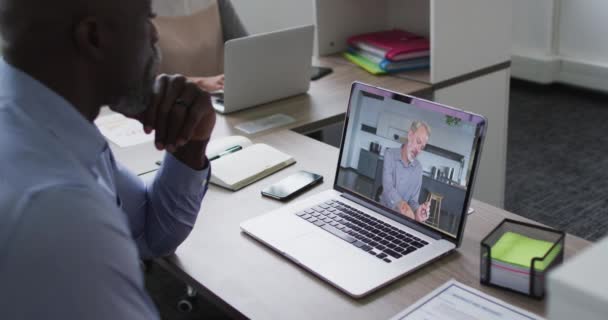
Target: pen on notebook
225,152
221,154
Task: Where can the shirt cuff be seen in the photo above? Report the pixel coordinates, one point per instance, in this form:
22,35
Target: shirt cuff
179,177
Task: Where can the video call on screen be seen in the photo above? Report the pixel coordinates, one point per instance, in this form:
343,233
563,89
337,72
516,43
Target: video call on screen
432,171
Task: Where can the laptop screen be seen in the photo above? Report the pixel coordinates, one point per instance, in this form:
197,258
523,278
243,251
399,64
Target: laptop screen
412,157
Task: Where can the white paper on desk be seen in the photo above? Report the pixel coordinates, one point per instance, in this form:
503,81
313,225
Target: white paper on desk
265,123
122,131
454,300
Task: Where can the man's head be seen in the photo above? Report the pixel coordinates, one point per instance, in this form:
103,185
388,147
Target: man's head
91,52
417,138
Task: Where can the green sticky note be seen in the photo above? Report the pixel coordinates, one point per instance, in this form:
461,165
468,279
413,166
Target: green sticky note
364,63
519,250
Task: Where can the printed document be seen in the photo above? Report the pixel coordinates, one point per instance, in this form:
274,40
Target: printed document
454,300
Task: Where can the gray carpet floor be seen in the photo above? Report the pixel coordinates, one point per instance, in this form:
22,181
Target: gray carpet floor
557,158
557,174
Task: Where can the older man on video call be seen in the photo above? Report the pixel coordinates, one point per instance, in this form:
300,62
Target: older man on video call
402,174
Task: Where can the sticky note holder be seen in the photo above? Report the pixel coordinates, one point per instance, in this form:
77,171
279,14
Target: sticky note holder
517,256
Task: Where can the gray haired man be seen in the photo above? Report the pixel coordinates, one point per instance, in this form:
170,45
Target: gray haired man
402,174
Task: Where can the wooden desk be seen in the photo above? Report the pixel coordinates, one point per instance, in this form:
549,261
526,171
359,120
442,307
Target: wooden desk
247,278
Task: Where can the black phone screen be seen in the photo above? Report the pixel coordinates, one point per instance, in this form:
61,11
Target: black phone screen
291,185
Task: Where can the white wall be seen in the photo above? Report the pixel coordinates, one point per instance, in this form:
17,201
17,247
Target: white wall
532,26
583,30
561,41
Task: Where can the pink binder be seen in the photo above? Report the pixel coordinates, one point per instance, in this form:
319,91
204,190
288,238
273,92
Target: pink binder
392,44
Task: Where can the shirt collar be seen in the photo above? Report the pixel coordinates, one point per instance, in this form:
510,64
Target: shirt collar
52,112
404,162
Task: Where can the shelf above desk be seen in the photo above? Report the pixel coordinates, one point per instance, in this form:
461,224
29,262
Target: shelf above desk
465,35
419,75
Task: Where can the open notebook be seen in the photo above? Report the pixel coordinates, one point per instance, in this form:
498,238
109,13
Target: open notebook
237,162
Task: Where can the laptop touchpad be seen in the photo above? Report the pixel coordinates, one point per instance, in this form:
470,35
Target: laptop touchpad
315,247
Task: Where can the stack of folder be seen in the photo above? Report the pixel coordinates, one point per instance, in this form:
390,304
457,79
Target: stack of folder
388,51
511,261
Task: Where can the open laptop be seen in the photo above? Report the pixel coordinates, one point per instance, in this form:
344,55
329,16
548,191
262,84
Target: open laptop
265,67
355,235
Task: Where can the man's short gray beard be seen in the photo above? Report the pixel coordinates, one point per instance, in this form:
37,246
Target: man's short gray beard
410,156
139,96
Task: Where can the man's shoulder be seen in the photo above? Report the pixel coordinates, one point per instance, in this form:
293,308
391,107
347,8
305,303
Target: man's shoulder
32,160
26,146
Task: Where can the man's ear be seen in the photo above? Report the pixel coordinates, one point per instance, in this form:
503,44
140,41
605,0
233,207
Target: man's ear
90,38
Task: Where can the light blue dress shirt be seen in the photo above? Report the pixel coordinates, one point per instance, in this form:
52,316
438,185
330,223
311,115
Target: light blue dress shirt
73,222
401,181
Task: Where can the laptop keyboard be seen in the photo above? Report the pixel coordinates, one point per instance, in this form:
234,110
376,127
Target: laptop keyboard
362,230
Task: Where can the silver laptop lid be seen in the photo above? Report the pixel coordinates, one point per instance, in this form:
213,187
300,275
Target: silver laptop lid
265,67
412,159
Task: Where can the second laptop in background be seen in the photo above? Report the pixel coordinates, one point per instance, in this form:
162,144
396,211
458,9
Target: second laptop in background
265,67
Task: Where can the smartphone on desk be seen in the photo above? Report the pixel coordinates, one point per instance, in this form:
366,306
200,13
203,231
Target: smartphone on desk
292,185
317,73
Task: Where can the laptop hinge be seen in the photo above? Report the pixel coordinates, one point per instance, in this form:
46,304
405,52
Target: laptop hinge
433,234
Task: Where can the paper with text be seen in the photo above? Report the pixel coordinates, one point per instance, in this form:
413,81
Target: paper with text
122,131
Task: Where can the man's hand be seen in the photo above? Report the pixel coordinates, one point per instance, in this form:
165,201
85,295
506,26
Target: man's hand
209,83
182,117
422,213
405,210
